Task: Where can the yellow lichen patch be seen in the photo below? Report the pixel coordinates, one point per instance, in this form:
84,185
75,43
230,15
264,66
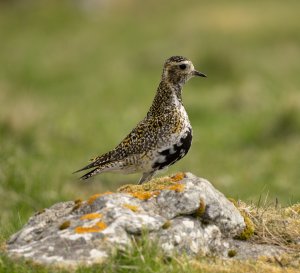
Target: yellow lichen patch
178,177
92,199
201,209
96,228
176,187
131,207
129,188
91,216
65,225
153,187
145,195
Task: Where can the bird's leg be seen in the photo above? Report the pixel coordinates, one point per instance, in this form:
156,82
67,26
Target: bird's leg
146,177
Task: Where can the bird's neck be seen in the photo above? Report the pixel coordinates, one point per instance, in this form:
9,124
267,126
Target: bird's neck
168,97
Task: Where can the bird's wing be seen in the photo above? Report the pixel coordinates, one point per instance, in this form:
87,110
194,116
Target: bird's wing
144,137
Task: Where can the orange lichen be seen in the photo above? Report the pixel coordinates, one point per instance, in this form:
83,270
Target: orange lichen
91,216
131,207
177,177
175,187
142,195
92,199
96,228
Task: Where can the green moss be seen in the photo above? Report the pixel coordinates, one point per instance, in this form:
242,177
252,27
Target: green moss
65,225
231,253
78,201
201,209
167,224
76,207
248,230
77,204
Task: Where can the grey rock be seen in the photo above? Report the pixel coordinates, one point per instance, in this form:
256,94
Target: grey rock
70,234
249,250
188,235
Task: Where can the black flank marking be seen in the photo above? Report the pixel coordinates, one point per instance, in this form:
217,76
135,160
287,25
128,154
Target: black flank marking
180,151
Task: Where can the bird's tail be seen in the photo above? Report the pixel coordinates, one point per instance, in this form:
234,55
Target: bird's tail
99,164
89,166
91,173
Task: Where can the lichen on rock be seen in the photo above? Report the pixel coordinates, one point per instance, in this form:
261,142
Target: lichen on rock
183,213
91,216
131,207
152,188
99,226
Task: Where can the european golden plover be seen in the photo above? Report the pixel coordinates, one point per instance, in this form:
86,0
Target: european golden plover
162,138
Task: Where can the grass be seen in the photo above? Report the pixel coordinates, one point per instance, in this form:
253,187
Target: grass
74,81
276,225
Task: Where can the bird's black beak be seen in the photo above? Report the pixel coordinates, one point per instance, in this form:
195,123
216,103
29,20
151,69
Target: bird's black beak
197,73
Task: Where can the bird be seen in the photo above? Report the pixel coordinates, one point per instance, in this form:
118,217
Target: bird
162,138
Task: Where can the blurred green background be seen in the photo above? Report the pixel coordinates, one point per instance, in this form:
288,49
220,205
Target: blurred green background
76,76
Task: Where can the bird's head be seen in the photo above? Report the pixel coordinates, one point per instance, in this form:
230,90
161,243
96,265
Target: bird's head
178,70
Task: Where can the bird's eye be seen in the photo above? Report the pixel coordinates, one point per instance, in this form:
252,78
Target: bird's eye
182,66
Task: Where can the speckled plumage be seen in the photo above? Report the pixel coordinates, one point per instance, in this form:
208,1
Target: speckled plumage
163,137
